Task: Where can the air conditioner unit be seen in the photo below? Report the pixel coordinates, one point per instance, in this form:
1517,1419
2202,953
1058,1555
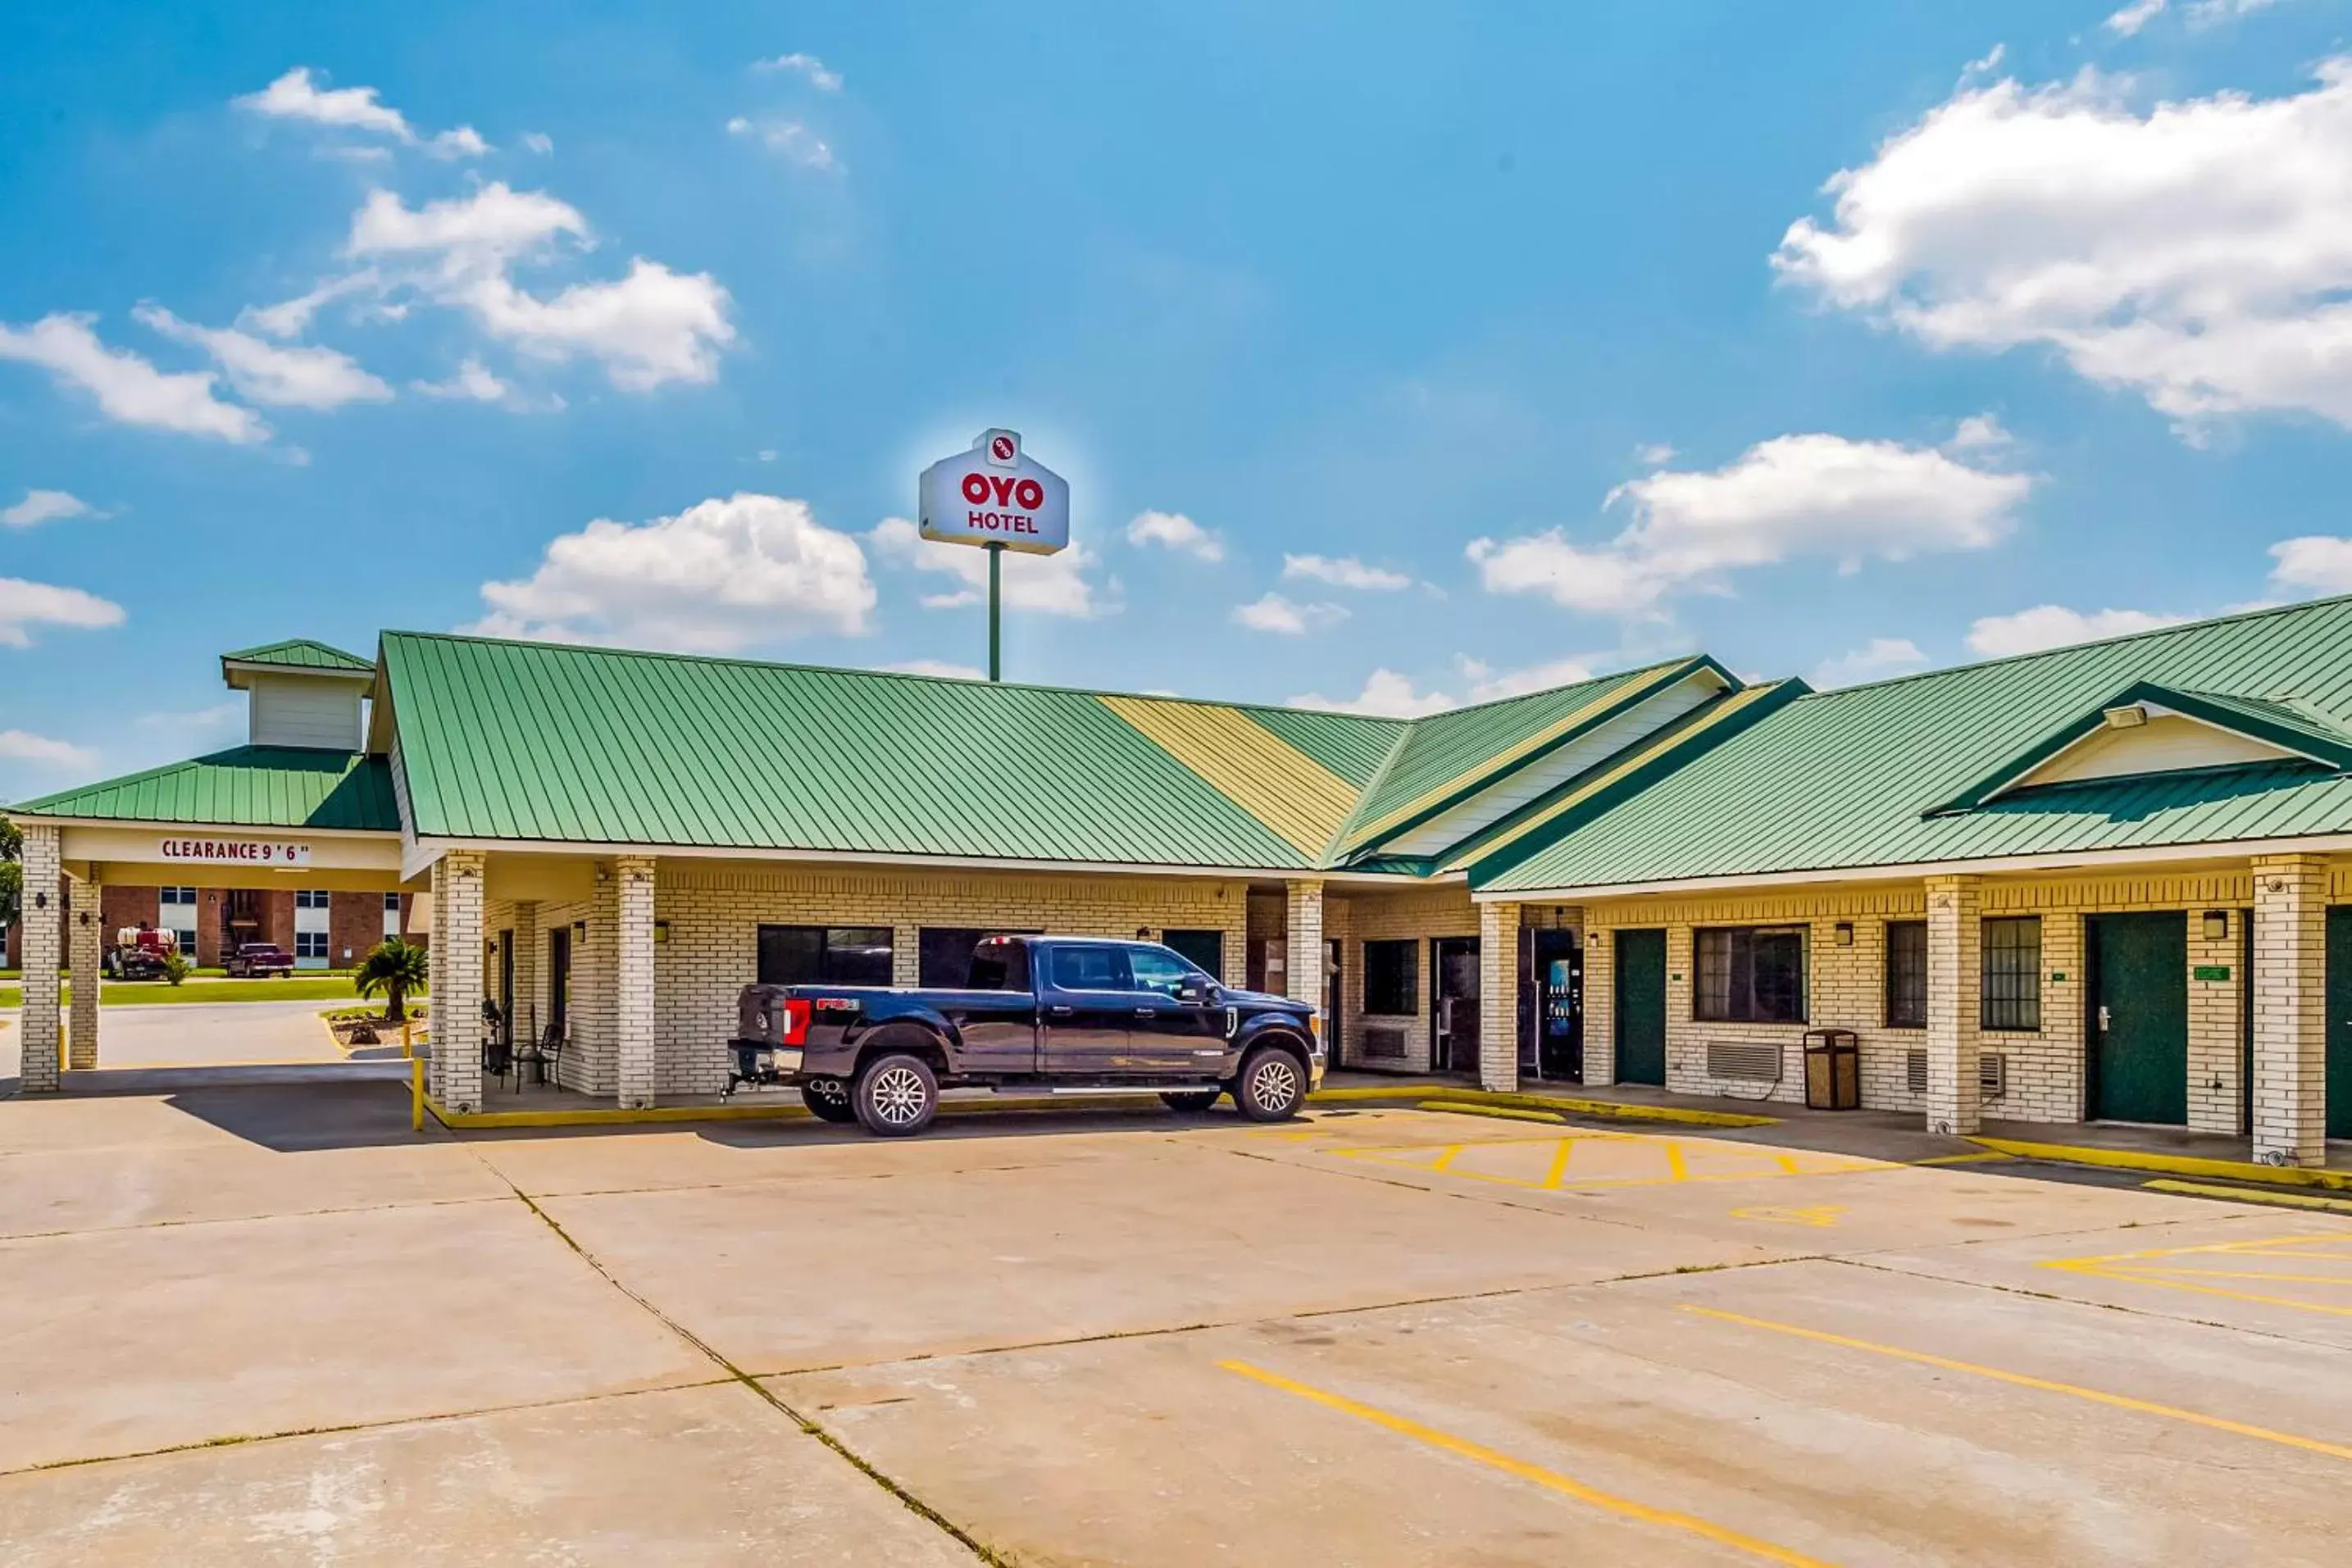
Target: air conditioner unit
1992,1073
1384,1042
1743,1058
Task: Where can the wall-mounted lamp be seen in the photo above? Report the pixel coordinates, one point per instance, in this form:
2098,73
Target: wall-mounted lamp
41,901
2217,926
661,932
1143,933
1593,939
1845,933
82,918
580,927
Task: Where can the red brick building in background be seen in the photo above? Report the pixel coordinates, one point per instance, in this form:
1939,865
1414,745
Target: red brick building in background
220,917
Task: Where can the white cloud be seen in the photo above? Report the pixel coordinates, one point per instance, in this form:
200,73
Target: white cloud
473,380
1343,571
721,576
2128,21
1386,693
941,668
297,95
1490,684
1275,613
129,389
1176,531
1047,584
25,605
1653,454
22,746
1874,660
537,141
652,327
2210,13
2055,626
47,506
218,716
292,318
2315,563
808,65
1821,495
282,376
788,138
2198,254
1979,433
468,234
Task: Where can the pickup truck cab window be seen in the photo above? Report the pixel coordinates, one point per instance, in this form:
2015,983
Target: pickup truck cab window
1156,970
1089,967
999,967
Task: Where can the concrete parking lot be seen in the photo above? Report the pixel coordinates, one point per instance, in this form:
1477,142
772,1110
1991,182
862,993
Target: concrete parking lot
268,1324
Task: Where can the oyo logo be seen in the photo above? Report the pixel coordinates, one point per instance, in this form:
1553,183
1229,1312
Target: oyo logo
981,489
1001,448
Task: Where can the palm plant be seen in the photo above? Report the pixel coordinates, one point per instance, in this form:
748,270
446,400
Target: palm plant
395,968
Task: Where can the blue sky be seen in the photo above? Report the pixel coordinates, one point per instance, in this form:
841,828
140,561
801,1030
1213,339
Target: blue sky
1396,355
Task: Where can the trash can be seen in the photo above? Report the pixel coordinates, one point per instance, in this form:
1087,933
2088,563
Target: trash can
1832,1069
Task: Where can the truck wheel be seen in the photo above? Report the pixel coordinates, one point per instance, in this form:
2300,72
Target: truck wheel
1191,1101
896,1095
1271,1085
828,1099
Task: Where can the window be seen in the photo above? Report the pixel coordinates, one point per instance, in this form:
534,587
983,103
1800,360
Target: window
1392,976
1906,974
390,915
1000,966
824,954
175,911
943,954
309,898
1752,974
1205,949
1090,968
2012,974
311,944
1158,970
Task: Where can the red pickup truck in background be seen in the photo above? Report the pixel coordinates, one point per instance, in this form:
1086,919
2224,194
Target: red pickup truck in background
254,960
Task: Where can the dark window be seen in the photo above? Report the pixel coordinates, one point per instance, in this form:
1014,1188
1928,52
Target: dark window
2012,974
1752,974
309,898
309,944
1000,966
1391,976
1906,974
391,903
1091,966
1207,949
1158,970
824,954
944,954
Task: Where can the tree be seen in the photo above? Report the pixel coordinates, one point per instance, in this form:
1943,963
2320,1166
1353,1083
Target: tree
12,874
395,968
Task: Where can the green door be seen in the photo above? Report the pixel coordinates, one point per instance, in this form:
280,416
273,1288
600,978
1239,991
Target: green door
1642,1007
2339,1021
2139,1017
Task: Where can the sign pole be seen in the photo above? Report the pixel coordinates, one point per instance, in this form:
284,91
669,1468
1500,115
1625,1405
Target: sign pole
995,604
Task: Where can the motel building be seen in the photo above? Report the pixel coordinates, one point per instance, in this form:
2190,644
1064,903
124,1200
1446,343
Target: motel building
2110,882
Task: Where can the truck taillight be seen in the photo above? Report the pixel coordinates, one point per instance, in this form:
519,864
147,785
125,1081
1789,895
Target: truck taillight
796,1021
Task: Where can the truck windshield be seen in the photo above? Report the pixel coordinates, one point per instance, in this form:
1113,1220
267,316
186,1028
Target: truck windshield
1000,966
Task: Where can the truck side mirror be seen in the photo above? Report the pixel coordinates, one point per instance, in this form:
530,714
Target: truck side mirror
1193,993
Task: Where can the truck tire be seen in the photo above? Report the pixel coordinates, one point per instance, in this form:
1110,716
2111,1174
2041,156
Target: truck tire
828,1099
895,1095
1271,1085
1191,1101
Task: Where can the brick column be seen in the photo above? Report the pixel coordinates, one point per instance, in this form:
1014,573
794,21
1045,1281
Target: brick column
1600,1009
456,962
43,952
1498,997
1955,989
1303,968
86,949
633,981
2291,1009
531,1014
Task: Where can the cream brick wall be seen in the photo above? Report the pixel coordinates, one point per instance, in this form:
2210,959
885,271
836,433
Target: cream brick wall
1421,913
715,913
1498,993
85,945
2290,1018
458,910
41,952
2044,1068
633,981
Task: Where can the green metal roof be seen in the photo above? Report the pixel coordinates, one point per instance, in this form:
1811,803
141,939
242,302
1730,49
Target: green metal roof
300,654
1851,778
247,787
1353,746
534,741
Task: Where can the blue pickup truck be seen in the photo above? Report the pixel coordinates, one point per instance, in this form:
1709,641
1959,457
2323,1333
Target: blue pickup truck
1056,1014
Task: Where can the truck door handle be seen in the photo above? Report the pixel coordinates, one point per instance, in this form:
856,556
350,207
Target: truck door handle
1144,1012
1059,1012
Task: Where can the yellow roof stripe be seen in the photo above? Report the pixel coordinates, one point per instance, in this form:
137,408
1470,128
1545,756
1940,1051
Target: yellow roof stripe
1248,763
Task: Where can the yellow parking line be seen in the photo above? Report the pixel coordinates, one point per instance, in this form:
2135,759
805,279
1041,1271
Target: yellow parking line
1675,1169
1551,1480
1558,1163
2120,1401
1446,1158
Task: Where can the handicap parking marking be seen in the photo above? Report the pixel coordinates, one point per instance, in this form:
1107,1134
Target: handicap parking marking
1583,1160
2315,1267
1549,1479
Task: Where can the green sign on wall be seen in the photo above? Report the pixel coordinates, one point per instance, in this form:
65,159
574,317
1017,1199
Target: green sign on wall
2210,972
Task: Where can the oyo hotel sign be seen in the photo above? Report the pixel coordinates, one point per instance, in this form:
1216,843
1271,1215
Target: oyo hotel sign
996,493
267,853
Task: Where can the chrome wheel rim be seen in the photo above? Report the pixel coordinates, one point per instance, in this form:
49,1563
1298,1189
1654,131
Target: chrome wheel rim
1275,1085
898,1095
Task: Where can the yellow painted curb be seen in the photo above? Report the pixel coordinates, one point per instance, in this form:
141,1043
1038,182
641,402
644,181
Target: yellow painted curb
2170,1165
2291,1199
1507,1113
1619,1110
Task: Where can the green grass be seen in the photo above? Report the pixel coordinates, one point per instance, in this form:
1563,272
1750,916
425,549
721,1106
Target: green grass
155,993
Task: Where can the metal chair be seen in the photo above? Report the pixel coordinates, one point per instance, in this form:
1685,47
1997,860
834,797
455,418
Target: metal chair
546,1055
